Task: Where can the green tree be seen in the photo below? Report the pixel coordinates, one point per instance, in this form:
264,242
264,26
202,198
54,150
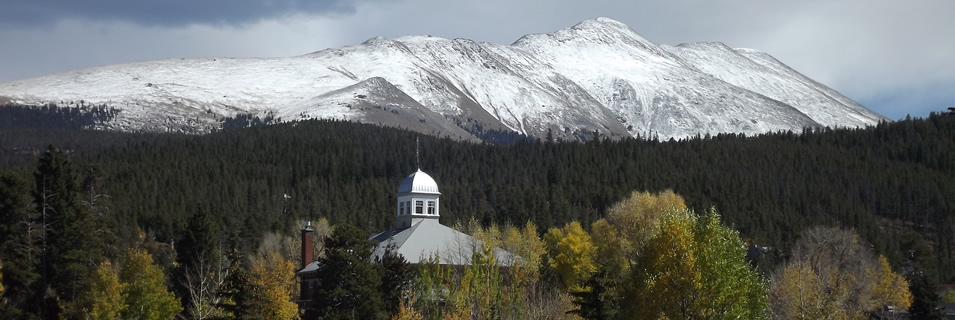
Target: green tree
199,273
731,288
348,280
20,234
70,252
146,294
396,276
598,298
695,268
925,302
241,296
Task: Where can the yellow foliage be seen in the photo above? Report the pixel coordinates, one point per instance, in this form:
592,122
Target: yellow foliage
892,289
798,294
637,218
572,251
107,293
610,248
833,275
669,275
406,309
146,294
276,275
527,249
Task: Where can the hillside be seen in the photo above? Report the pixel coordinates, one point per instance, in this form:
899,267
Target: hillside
893,183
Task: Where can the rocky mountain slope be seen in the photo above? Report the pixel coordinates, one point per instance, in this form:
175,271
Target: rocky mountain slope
597,76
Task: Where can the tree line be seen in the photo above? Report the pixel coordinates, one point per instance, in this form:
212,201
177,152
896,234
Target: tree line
893,182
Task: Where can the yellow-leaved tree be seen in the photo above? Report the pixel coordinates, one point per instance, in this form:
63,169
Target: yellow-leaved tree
611,248
667,276
572,254
107,293
693,267
892,288
276,276
145,288
637,218
832,274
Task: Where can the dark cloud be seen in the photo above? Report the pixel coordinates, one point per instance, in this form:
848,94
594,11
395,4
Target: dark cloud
165,13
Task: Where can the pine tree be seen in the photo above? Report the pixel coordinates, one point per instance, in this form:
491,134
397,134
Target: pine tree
240,295
348,281
71,249
19,247
925,301
395,278
199,267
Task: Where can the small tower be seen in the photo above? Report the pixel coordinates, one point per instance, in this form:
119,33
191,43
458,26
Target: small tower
417,200
305,289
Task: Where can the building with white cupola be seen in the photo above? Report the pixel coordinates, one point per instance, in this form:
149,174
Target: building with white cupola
417,234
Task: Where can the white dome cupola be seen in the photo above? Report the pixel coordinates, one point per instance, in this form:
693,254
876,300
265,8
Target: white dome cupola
418,182
417,199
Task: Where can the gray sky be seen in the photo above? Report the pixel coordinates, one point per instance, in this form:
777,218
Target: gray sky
895,57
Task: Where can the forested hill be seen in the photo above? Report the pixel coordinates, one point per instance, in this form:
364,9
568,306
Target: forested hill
894,183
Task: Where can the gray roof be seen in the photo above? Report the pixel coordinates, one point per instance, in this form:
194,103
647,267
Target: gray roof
428,238
310,268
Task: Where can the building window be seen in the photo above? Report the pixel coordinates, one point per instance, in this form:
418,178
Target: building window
401,208
419,206
431,207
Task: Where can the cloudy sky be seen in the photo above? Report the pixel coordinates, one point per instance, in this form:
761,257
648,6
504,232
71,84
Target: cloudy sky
895,57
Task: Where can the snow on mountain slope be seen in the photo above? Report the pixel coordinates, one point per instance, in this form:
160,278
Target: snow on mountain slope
651,90
598,75
854,110
764,75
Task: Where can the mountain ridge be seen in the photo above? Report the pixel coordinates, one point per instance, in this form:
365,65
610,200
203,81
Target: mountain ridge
598,76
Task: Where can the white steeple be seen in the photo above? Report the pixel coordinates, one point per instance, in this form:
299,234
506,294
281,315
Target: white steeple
417,200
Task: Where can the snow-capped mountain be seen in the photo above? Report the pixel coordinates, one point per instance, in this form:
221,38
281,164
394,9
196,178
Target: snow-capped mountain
598,75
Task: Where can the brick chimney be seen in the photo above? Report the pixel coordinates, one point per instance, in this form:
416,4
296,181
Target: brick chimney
307,243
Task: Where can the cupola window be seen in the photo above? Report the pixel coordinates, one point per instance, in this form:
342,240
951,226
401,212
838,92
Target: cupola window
401,208
431,207
419,206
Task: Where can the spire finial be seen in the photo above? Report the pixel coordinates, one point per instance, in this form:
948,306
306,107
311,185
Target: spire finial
417,161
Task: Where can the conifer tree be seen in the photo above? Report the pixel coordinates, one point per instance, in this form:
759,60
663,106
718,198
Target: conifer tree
19,247
925,302
71,249
199,270
241,296
395,279
348,281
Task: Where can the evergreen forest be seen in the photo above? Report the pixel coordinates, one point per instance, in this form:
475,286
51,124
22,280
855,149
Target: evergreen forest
893,184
